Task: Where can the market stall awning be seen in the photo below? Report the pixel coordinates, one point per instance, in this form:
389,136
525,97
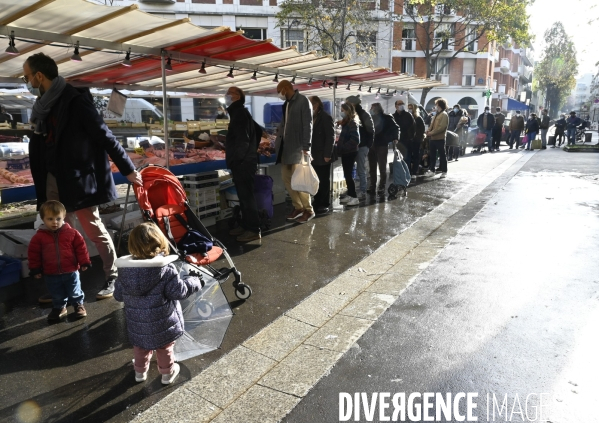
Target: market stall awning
107,33
516,105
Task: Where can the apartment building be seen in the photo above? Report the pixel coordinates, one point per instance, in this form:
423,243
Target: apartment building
479,65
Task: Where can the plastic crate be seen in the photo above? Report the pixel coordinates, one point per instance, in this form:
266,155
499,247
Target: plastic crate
10,270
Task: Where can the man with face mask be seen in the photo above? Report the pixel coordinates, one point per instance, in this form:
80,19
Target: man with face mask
366,129
516,127
485,124
243,137
544,127
498,128
69,156
294,139
406,123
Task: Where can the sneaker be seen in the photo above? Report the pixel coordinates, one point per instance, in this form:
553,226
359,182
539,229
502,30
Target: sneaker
168,379
140,377
237,231
553,146
306,217
248,236
443,175
344,199
45,299
429,173
57,314
80,311
353,202
107,291
294,214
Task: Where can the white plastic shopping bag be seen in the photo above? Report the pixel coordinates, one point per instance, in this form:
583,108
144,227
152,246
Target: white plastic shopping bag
304,178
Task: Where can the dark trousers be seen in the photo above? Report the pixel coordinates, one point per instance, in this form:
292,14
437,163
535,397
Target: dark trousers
377,156
323,196
559,135
415,154
452,152
437,146
347,162
515,137
496,136
404,149
243,178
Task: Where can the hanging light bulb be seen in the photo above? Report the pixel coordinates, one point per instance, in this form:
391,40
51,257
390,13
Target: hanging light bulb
11,49
276,78
293,80
75,57
203,68
348,86
369,90
127,61
360,87
254,76
310,82
168,66
230,74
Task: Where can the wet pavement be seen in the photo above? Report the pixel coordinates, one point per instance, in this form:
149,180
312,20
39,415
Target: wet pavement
511,306
80,370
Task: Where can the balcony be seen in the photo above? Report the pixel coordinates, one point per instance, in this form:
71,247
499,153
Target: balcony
525,74
410,9
468,80
526,56
444,78
501,89
408,44
472,47
505,65
440,44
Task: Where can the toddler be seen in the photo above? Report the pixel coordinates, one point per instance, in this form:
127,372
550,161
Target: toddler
149,285
58,251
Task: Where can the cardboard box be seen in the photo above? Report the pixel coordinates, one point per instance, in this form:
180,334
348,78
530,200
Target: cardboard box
14,243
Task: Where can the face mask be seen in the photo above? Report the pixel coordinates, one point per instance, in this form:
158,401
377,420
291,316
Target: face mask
343,115
455,109
486,112
32,90
228,101
411,111
438,110
373,112
282,96
433,113
518,113
400,108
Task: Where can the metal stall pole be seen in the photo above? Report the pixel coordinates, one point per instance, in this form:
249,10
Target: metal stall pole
331,183
165,108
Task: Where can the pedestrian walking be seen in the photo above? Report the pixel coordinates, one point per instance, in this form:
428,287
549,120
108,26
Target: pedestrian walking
57,252
571,124
498,128
462,131
366,140
243,138
69,153
456,116
544,127
532,129
294,138
417,148
436,134
560,127
347,145
406,123
485,124
516,127
385,131
150,288
323,141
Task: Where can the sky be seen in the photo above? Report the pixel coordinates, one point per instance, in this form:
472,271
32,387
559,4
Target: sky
575,15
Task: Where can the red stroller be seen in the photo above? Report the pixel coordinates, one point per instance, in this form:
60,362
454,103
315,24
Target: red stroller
163,201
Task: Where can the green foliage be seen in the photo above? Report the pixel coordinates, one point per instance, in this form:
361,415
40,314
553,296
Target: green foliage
343,29
555,72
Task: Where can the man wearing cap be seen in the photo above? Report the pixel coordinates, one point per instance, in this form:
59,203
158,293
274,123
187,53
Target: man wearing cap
294,139
366,139
485,124
571,124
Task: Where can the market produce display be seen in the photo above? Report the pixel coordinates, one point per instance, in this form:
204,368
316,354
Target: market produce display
15,178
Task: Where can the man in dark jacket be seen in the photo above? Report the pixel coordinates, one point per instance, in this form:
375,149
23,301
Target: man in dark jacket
516,127
560,126
406,124
242,159
366,140
544,126
571,124
485,124
385,131
323,140
69,156
498,128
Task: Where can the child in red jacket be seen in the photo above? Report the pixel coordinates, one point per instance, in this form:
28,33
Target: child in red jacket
58,251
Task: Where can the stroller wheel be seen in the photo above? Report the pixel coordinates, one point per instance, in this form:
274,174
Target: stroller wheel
243,291
204,309
393,190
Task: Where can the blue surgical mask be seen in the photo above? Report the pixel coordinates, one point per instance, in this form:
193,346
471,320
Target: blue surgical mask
32,90
373,111
343,115
455,109
228,100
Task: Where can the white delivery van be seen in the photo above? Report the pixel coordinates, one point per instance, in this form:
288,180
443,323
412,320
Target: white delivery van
137,110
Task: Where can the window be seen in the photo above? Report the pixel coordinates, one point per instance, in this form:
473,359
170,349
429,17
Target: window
408,35
294,37
254,33
366,42
441,66
469,66
445,30
471,39
410,9
407,65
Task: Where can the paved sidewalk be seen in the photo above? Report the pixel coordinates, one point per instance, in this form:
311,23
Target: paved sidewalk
268,375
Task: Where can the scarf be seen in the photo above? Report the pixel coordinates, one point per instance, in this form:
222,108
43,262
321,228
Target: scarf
43,105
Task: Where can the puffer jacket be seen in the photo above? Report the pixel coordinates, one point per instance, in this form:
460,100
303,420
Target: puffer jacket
349,138
151,290
54,253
